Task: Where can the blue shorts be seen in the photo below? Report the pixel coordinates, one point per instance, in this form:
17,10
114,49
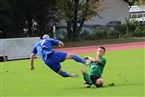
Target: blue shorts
53,60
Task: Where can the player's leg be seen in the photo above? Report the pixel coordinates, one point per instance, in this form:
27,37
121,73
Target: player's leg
53,62
99,82
58,57
56,67
67,74
77,58
86,77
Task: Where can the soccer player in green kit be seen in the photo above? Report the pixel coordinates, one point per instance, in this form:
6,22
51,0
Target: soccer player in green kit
96,69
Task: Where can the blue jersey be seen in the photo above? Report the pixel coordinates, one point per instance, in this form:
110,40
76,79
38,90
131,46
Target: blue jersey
44,47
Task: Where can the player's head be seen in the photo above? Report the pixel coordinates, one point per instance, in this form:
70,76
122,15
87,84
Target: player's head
102,47
46,36
101,51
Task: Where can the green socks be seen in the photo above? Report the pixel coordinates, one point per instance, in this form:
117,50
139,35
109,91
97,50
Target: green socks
87,78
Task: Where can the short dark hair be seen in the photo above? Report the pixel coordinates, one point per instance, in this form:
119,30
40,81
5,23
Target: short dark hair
102,47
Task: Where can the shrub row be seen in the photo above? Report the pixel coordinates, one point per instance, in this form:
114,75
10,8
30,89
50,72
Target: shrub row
132,29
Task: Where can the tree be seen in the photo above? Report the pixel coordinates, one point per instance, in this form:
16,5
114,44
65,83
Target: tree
45,13
15,13
135,2
76,12
9,18
40,12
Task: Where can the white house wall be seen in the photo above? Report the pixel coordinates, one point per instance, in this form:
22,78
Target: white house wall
114,10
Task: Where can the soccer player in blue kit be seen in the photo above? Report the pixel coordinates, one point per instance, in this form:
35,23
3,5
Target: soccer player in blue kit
52,59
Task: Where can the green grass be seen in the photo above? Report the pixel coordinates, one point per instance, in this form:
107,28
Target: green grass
124,68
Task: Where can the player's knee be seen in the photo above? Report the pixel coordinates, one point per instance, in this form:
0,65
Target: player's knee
84,71
99,82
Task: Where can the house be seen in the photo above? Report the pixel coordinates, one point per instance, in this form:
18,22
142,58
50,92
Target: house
113,10
137,13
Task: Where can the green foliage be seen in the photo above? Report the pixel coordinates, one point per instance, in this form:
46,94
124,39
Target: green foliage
139,31
76,12
14,14
101,34
132,29
121,30
9,18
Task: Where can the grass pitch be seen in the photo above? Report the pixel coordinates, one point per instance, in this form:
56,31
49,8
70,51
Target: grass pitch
124,68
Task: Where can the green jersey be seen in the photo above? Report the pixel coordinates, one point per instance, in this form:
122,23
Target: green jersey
97,68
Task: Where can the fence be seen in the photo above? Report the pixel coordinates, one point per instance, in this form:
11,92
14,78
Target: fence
16,48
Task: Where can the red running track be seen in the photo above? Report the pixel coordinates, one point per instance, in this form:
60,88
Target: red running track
109,47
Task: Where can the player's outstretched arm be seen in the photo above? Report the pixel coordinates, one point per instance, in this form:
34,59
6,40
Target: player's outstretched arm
32,60
92,59
89,58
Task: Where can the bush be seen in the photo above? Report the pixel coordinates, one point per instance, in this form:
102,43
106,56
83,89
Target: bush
131,29
121,30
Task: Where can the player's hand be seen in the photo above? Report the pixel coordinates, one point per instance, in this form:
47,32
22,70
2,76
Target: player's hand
59,45
32,68
86,57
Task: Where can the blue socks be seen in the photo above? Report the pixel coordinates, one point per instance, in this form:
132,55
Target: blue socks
78,59
64,74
